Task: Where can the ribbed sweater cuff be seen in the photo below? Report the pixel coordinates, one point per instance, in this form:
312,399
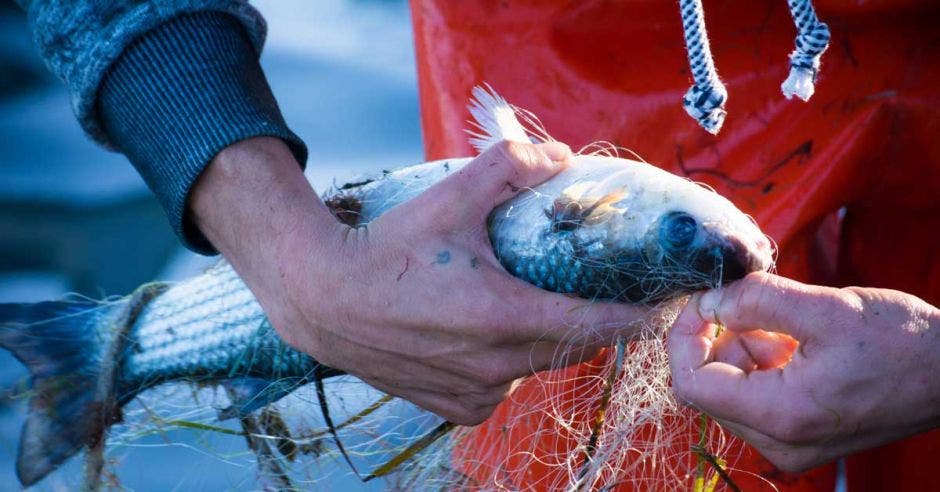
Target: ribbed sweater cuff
179,95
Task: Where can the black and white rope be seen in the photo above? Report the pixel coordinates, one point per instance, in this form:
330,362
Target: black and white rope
704,101
812,39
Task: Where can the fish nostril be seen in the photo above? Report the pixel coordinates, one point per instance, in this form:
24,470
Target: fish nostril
679,229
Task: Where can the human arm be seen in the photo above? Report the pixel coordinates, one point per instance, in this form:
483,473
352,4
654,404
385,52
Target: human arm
864,372
449,332
329,290
169,84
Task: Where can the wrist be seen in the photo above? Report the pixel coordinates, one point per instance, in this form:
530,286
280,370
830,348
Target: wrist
253,203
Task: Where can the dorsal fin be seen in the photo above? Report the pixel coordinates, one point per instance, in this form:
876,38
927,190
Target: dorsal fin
494,120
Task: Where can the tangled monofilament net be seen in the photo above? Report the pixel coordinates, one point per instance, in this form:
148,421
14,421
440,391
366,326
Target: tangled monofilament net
612,422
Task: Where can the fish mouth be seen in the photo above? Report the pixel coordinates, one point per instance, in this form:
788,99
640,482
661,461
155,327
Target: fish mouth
735,258
692,256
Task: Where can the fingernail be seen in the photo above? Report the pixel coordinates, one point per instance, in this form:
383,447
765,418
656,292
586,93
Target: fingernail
556,151
708,305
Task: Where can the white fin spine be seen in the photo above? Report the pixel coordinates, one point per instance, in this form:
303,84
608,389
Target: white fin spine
494,120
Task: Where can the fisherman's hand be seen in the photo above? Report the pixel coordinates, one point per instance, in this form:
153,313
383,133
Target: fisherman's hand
864,372
416,304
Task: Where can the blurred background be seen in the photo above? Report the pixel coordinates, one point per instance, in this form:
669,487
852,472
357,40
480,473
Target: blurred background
77,218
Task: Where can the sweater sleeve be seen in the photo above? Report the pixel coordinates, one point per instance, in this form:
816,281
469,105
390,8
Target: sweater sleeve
167,83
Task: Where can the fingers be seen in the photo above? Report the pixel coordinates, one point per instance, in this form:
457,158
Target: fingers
472,400
717,388
754,350
689,343
541,315
789,456
767,302
501,365
565,319
784,456
550,355
495,176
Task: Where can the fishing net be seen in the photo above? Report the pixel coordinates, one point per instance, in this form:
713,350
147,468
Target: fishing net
598,425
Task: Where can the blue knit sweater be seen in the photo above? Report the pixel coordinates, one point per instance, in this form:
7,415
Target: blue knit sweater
169,83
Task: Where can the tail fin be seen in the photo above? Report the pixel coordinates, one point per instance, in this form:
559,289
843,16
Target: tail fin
61,346
494,119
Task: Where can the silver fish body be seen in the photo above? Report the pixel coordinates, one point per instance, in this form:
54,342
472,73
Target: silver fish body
209,328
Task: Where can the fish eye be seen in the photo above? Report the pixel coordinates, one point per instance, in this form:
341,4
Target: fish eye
678,229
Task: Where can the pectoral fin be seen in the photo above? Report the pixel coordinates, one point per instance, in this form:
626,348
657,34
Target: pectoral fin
570,211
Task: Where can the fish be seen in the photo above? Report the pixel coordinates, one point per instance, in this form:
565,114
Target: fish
605,228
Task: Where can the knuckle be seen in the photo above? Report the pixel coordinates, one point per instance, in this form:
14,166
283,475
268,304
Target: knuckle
750,295
852,299
493,374
771,298
487,397
521,157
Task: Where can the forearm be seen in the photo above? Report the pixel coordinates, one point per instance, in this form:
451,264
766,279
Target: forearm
254,196
182,94
257,208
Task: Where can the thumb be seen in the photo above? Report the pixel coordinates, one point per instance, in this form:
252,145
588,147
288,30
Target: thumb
496,175
767,302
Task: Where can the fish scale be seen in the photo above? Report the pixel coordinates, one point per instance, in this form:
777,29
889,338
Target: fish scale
208,327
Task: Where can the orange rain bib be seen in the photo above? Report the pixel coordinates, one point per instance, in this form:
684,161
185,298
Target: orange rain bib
848,184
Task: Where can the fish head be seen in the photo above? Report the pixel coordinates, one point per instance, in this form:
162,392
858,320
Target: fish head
705,235
626,230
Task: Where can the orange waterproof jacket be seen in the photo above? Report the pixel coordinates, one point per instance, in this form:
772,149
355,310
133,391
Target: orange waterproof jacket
848,184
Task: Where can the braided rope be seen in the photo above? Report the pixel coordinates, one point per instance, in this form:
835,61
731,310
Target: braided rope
812,39
704,101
